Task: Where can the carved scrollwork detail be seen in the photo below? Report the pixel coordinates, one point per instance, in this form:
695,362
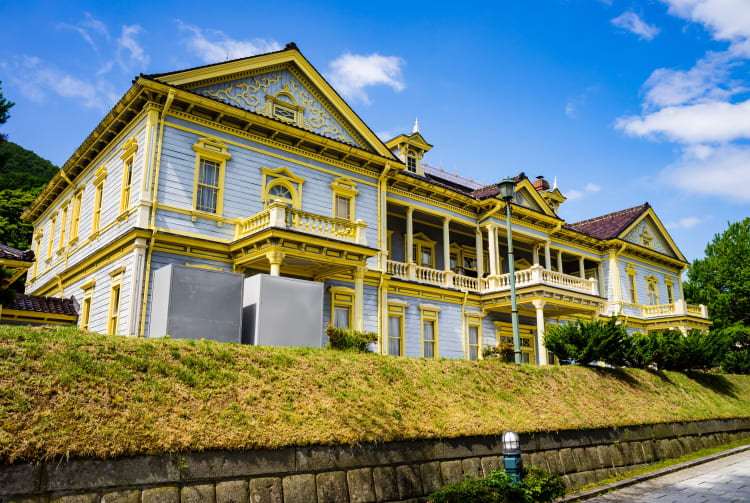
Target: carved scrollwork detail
319,118
245,96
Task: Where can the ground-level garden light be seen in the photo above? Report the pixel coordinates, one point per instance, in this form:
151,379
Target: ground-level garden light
512,455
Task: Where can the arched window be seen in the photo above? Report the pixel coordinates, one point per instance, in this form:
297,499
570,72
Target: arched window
653,291
279,190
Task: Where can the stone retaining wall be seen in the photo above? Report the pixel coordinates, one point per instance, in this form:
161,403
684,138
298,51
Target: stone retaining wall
389,472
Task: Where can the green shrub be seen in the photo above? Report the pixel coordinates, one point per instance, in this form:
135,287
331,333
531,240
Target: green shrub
503,351
537,486
736,360
585,342
347,339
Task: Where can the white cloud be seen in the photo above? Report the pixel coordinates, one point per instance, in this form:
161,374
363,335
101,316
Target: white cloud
37,79
570,109
724,172
700,123
350,74
214,46
130,54
726,19
633,23
574,194
685,223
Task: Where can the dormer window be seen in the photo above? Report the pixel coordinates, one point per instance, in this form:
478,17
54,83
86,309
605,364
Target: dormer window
411,161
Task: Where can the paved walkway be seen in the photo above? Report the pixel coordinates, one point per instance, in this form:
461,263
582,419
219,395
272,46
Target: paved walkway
726,480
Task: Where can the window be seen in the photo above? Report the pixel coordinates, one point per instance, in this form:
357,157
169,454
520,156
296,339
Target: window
284,113
50,244
670,290
210,165
344,192
395,338
99,177
429,330
423,250
114,300
653,290
75,216
342,306
88,293
208,186
504,334
630,269
470,261
283,185
411,161
38,239
127,182
646,238
63,222
474,339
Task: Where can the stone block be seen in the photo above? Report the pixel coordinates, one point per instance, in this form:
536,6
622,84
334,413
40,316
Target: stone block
553,461
626,450
318,458
76,498
201,493
649,452
605,455
361,488
452,472
568,461
161,495
593,456
95,473
332,487
685,445
490,464
472,467
581,460
29,499
264,490
224,464
636,452
468,447
537,459
577,479
661,449
601,474
236,491
615,453
695,443
662,430
299,488
123,496
19,479
384,479
636,433
409,481
525,458
432,479
676,448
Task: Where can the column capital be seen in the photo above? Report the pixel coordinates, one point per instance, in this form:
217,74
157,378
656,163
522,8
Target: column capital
446,220
409,210
359,272
539,303
275,257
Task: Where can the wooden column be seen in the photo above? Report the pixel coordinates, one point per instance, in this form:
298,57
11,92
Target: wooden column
541,350
559,261
359,277
409,236
446,244
581,269
275,258
547,259
492,241
478,248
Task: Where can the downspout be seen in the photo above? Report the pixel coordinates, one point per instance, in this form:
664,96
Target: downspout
381,220
147,272
463,326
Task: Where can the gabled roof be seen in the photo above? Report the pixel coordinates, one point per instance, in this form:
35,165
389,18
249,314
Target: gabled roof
414,138
10,253
611,225
41,304
227,70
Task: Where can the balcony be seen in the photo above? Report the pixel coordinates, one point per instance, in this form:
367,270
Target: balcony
279,215
533,276
678,308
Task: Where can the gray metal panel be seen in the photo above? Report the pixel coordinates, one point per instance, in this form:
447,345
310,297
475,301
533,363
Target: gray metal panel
160,305
289,311
202,304
250,297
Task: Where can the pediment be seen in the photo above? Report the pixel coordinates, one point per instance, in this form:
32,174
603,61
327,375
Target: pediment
283,86
648,231
527,196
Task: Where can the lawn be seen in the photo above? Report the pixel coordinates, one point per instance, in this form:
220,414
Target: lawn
64,392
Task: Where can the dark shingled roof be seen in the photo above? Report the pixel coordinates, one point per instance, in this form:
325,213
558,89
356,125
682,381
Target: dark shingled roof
610,225
10,253
41,304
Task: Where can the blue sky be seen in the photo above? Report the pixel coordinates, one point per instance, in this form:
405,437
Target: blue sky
622,101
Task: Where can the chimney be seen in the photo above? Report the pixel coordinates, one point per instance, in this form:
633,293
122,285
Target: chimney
540,184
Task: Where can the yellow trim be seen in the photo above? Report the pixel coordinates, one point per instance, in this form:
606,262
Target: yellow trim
20,316
86,304
652,287
421,241
342,296
660,227
63,225
632,284
204,266
528,334
128,168
75,217
429,312
397,311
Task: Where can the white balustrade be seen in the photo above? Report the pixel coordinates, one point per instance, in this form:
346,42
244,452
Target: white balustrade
253,224
465,283
397,269
658,310
430,276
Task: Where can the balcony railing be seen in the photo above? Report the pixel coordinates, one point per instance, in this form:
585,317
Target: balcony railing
678,308
279,215
535,275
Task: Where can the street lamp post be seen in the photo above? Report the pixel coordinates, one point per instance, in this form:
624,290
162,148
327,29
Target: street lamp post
507,187
512,455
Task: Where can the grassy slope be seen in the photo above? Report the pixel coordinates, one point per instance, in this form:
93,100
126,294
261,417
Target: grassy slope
63,392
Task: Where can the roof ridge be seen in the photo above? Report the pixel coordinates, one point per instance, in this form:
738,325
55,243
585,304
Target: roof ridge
611,215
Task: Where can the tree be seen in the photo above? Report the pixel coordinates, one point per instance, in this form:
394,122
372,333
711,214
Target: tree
585,342
14,231
721,280
5,107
